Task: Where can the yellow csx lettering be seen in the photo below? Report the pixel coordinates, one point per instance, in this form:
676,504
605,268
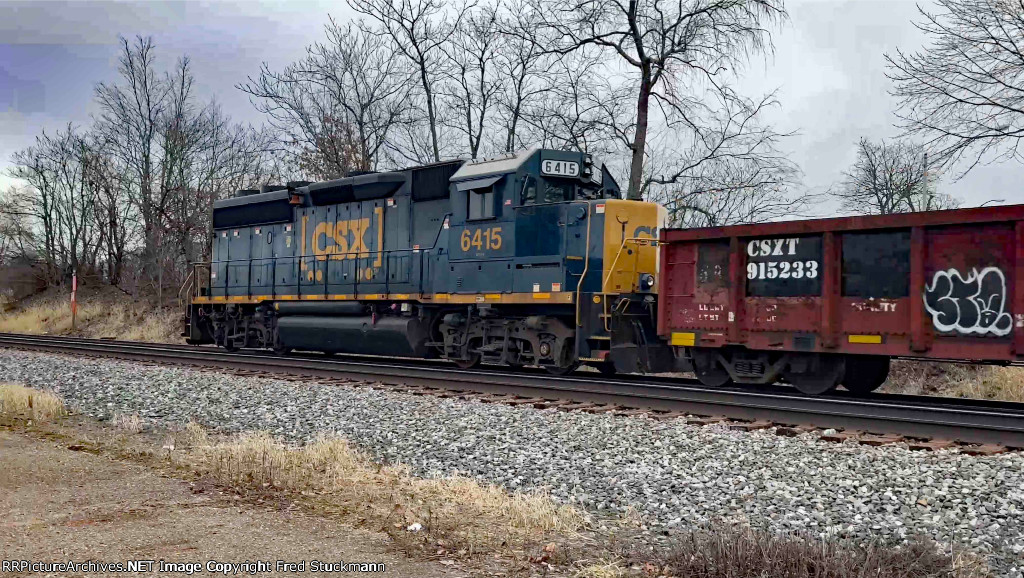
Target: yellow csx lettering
332,239
481,239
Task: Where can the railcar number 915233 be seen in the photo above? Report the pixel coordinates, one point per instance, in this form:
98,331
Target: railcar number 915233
784,267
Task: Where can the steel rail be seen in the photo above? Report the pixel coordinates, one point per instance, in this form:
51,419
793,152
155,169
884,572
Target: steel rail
973,421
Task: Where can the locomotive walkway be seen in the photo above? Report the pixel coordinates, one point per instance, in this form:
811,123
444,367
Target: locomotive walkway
969,421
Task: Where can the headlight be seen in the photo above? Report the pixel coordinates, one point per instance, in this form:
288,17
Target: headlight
646,281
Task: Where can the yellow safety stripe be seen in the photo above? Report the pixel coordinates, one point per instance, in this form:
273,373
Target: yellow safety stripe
459,298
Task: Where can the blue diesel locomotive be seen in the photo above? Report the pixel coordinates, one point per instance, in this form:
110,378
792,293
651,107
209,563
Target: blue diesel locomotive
529,259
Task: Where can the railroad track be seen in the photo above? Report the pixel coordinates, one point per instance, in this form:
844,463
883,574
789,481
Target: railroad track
916,417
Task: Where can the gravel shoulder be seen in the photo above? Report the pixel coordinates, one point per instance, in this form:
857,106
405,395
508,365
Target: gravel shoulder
59,505
673,475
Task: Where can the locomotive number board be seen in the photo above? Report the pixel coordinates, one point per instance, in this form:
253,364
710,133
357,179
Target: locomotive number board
784,267
560,168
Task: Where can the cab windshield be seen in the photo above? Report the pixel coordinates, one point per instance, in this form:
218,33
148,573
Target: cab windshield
548,190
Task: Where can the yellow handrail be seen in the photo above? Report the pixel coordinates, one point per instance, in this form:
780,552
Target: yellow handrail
638,241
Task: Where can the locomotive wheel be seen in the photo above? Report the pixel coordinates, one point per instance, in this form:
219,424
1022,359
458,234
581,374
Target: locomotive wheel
473,361
823,374
865,373
708,368
605,367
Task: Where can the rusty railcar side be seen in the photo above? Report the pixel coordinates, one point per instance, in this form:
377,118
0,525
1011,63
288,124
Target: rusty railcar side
760,301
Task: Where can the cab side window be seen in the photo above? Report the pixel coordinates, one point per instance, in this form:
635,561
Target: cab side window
529,195
481,203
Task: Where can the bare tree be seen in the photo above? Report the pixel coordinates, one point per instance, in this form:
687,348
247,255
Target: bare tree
341,103
664,44
728,171
963,95
891,178
522,62
577,108
418,29
472,83
130,118
116,224
59,200
17,233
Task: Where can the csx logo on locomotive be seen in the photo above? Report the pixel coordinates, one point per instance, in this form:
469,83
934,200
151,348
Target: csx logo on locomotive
344,240
341,240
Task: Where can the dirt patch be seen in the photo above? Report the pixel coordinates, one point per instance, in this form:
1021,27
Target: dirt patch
58,504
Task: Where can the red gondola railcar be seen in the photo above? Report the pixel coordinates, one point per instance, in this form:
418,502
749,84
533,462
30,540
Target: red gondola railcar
825,302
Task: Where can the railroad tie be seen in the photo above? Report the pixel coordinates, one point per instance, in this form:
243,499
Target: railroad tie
525,401
751,426
930,445
984,450
880,440
841,436
792,430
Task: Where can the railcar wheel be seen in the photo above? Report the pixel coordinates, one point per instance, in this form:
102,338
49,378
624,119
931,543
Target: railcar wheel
821,374
865,373
709,369
229,346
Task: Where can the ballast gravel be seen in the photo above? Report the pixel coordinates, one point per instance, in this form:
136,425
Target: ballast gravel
675,475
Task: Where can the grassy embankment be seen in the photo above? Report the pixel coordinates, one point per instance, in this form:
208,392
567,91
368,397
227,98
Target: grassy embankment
103,313
459,519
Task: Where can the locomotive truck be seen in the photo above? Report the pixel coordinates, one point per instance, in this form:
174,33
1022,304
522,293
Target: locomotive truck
533,259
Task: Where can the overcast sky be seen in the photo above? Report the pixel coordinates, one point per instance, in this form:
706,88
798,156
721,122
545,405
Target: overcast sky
828,66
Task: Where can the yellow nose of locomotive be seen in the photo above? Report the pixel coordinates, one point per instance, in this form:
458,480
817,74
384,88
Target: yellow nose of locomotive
630,251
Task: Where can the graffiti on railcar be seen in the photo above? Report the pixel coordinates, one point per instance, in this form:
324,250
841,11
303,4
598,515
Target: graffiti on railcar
974,304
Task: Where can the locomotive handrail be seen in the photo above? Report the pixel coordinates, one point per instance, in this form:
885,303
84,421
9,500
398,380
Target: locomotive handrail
586,267
186,284
315,286
636,240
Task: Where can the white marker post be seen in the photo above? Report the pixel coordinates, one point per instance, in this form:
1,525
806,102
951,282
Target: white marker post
74,301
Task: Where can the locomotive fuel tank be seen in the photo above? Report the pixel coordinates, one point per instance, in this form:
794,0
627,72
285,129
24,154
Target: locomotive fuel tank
391,336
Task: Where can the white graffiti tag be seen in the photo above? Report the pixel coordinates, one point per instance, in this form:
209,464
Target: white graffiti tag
975,305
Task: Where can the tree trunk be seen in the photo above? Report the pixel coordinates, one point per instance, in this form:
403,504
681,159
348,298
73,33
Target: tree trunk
636,167
431,116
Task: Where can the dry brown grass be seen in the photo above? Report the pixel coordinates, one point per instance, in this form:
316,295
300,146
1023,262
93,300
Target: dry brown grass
740,552
20,402
608,569
99,316
956,380
129,423
468,515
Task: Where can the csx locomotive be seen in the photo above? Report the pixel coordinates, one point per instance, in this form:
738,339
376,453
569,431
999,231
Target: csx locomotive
529,259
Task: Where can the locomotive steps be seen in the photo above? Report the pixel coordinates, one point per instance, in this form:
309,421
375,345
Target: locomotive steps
990,425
